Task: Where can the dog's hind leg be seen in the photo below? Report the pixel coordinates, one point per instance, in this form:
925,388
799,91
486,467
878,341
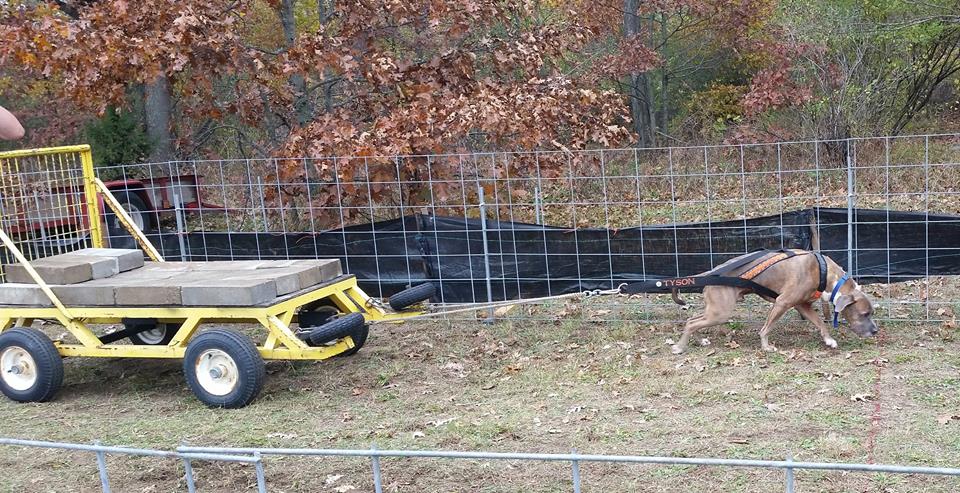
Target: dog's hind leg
810,313
720,301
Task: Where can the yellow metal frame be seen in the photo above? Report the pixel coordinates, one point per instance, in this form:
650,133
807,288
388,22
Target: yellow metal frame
280,343
126,220
89,184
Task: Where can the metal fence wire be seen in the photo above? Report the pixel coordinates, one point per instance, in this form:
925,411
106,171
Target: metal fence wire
46,199
255,456
507,210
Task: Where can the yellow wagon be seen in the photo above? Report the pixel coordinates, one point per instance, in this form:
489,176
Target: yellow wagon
223,367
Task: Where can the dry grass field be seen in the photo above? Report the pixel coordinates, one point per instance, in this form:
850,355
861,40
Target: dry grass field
598,387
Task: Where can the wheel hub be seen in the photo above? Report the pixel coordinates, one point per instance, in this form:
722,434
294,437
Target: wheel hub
217,372
154,336
19,371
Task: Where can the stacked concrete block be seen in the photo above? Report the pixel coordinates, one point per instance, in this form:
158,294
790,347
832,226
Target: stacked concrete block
216,290
126,259
105,277
77,267
23,294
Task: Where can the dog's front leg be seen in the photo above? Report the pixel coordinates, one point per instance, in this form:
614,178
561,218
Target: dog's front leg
810,313
779,308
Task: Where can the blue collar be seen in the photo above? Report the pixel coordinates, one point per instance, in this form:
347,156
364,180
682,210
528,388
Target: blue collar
836,289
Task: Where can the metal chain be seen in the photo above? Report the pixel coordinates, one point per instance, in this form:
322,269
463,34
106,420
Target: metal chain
590,293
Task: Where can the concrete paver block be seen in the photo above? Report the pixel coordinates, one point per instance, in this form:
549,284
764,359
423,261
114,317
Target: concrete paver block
228,292
52,270
23,294
326,269
85,295
286,280
147,293
127,259
100,267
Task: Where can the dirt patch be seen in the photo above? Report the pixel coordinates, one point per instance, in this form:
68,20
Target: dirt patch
540,386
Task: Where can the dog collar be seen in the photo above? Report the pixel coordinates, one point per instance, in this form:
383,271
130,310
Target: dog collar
833,295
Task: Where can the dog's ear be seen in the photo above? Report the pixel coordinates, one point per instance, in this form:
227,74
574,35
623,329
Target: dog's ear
842,301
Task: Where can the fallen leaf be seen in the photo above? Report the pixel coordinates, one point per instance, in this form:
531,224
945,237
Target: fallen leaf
284,436
344,489
489,386
947,418
704,342
503,310
861,397
333,478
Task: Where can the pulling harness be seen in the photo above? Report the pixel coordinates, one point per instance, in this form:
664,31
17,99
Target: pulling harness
766,258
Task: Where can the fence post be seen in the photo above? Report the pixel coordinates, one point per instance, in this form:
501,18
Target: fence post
181,220
850,200
537,205
261,477
575,464
486,252
375,464
188,473
789,474
102,468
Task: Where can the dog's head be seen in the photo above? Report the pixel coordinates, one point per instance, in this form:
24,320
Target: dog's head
857,310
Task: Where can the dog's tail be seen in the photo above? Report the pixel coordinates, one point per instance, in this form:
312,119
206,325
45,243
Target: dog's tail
675,294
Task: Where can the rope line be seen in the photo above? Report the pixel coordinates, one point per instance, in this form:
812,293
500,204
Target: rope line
497,304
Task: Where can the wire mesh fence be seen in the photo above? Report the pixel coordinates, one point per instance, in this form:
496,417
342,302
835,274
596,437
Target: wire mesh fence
44,206
506,225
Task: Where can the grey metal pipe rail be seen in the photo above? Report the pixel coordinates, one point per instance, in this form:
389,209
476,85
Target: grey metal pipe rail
102,451
788,465
254,456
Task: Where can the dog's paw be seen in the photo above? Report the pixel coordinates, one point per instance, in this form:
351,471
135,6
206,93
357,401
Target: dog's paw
770,348
830,342
675,349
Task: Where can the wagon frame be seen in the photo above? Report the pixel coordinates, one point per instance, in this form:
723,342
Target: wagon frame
229,361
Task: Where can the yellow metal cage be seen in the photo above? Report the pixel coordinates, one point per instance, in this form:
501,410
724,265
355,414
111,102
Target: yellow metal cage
48,201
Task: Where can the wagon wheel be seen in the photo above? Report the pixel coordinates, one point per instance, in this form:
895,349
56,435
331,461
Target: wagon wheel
138,211
154,334
224,369
31,369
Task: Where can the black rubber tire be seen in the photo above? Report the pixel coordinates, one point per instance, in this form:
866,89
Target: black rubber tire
47,361
336,329
316,317
359,337
170,330
411,296
251,369
118,236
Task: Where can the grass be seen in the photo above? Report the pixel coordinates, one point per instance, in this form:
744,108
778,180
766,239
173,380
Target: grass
524,386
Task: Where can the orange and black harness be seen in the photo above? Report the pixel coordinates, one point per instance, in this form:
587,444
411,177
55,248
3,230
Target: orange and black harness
764,260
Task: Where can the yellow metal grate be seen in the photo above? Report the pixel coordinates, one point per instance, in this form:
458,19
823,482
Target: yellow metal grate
48,201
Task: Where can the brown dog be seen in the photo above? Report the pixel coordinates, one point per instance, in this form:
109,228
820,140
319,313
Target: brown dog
796,279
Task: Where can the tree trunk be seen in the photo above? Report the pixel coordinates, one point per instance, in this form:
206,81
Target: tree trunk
157,109
639,88
325,11
301,100
663,117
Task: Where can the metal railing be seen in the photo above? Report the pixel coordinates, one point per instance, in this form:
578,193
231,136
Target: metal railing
255,456
575,459
101,452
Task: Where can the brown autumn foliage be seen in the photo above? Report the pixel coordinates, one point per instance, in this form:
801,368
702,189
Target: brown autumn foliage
411,77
